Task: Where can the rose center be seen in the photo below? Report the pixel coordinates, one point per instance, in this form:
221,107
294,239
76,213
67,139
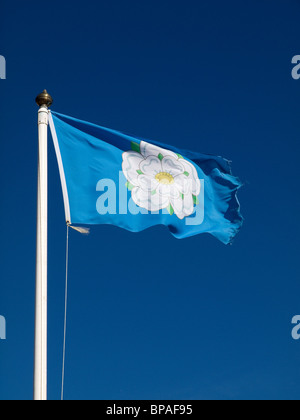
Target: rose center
164,178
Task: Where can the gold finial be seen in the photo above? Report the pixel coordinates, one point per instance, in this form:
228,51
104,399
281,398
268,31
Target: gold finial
44,99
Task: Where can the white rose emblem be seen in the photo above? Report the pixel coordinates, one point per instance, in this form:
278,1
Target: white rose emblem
161,179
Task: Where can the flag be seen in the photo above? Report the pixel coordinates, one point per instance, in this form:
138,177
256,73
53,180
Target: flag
112,178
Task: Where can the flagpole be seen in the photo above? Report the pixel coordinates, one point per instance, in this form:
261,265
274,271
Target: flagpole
44,101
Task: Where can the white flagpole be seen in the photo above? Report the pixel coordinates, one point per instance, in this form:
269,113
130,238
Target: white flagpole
44,101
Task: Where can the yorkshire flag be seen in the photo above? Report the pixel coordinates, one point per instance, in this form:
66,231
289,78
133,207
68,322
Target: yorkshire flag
112,178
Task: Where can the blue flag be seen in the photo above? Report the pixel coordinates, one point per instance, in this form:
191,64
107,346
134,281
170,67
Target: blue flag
112,178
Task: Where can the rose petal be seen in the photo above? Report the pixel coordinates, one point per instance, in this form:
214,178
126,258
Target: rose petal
172,166
147,183
168,190
149,201
183,184
193,175
183,207
148,149
131,162
151,166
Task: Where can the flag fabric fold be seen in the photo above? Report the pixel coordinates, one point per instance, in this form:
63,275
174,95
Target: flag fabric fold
112,178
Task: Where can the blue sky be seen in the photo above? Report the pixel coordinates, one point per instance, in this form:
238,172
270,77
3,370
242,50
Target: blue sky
152,317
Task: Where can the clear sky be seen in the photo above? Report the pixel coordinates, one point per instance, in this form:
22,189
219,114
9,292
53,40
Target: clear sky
150,316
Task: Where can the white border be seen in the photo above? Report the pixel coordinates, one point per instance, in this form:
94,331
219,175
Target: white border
61,169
